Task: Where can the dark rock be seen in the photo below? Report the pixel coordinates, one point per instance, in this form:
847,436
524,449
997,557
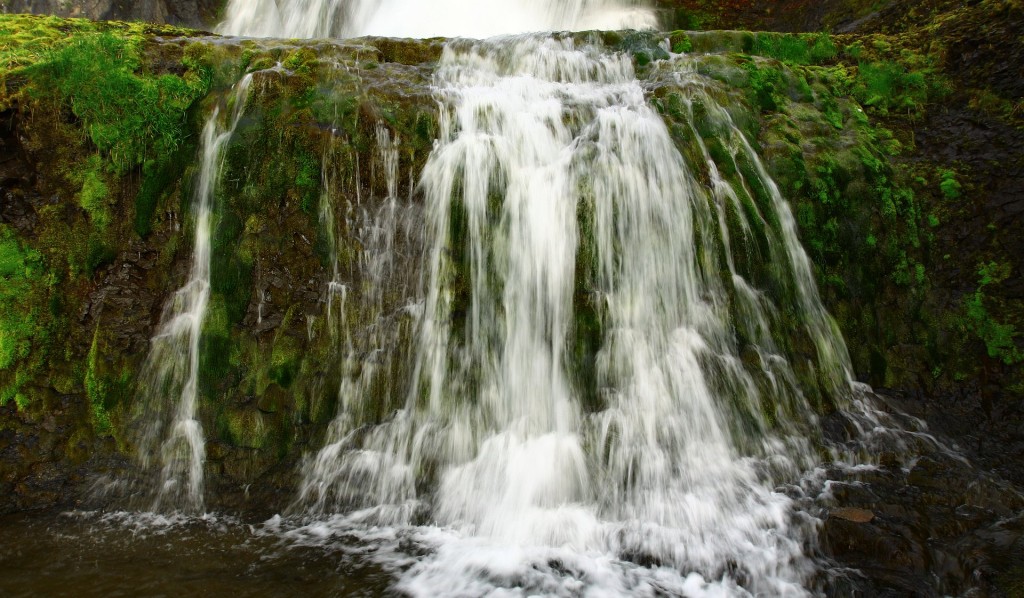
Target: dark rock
853,514
274,398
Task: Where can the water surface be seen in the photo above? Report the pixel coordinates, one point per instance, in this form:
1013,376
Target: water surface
91,554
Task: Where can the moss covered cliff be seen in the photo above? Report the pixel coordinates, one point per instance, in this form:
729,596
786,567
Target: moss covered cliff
899,148
101,126
900,165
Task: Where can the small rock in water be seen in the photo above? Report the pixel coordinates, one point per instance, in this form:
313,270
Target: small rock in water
853,514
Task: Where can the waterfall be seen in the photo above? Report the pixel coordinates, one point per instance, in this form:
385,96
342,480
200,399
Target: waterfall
371,357
618,347
317,19
174,440
604,373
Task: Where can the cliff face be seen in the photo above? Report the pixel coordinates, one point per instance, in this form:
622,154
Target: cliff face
97,230
837,16
899,151
187,13
787,15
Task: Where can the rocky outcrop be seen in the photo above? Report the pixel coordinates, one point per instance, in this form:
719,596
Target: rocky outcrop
187,13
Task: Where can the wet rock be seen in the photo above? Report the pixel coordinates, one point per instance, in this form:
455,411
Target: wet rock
853,514
937,528
274,398
872,545
242,466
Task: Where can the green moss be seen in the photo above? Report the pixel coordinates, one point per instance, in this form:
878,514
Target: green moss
160,178
24,39
795,49
948,184
302,61
128,117
23,277
888,86
95,388
216,347
284,362
244,428
680,42
96,200
198,59
98,254
95,195
766,85
230,269
307,182
999,338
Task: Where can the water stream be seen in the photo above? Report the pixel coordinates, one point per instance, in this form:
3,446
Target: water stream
173,439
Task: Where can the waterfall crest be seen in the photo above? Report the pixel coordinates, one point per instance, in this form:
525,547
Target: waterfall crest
318,19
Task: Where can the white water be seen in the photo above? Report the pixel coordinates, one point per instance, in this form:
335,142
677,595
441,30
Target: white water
510,469
550,163
174,438
315,19
368,327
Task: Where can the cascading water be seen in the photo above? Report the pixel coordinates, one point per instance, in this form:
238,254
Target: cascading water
559,209
377,268
616,327
174,437
316,19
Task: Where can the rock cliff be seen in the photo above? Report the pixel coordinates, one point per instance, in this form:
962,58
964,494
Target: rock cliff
189,13
899,150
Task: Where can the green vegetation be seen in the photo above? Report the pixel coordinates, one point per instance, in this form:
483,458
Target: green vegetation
95,388
16,326
22,281
95,195
680,42
26,39
948,184
868,202
128,117
118,114
999,338
17,267
285,361
765,86
888,85
795,49
106,118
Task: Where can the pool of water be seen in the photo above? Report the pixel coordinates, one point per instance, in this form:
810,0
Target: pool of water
87,554
92,554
